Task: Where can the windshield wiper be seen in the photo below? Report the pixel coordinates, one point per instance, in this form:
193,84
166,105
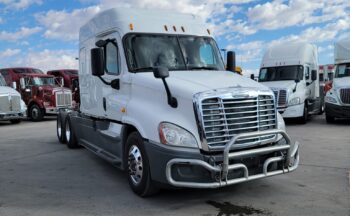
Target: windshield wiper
143,69
202,68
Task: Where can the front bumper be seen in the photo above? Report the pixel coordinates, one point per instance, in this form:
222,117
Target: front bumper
54,110
197,170
292,111
337,111
12,116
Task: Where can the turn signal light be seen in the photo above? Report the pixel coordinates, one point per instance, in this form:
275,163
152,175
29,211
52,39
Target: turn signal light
131,26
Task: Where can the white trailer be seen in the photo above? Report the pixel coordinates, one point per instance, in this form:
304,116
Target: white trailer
12,107
338,97
291,71
156,101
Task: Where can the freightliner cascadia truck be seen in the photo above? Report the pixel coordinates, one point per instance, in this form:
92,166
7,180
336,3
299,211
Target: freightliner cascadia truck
338,94
41,92
12,108
291,71
157,102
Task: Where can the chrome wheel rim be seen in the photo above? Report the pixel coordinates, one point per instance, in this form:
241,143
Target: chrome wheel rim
67,131
59,129
35,113
135,164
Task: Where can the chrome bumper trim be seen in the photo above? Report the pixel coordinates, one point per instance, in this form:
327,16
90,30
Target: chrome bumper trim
223,169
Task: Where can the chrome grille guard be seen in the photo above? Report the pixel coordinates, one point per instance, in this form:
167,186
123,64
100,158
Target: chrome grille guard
291,161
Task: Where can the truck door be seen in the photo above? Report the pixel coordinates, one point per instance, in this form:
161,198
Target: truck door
310,86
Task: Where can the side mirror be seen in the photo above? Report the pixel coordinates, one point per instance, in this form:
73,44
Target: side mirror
14,85
97,62
231,61
22,83
252,76
160,72
314,75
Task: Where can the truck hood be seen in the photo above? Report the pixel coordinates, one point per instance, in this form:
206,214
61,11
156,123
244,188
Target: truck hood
286,84
188,83
341,82
8,90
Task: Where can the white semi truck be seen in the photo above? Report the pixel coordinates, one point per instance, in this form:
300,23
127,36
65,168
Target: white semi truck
338,97
12,107
291,71
156,101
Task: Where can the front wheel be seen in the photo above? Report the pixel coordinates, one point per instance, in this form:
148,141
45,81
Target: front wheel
330,119
139,175
70,135
60,130
305,117
36,113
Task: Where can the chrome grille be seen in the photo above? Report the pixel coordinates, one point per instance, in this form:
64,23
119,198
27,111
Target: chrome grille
15,103
63,99
223,118
345,96
281,97
10,103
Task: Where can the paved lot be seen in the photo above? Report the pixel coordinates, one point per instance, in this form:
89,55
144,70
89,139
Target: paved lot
40,177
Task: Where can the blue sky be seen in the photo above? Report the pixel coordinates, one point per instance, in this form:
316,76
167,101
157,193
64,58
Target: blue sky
44,33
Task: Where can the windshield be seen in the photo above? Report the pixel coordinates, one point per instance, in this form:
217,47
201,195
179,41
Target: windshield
343,70
2,81
25,70
39,81
175,52
281,73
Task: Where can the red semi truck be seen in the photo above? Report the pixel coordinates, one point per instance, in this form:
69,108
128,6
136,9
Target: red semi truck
70,80
42,93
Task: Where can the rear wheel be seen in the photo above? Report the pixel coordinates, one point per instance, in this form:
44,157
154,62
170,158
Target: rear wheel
36,113
70,136
139,175
15,121
60,128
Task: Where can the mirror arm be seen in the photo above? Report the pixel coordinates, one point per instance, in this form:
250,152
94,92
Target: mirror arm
295,87
171,100
114,84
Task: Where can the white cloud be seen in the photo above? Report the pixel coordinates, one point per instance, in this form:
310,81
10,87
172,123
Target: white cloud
1,20
20,34
64,25
48,60
9,53
19,4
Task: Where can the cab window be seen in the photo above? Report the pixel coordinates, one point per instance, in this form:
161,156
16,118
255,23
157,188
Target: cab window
112,58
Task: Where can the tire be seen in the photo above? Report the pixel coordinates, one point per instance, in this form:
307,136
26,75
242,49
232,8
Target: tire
69,135
321,110
330,119
36,113
60,129
15,121
305,117
138,169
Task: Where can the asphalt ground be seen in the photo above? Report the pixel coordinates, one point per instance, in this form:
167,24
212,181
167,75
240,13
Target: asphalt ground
41,177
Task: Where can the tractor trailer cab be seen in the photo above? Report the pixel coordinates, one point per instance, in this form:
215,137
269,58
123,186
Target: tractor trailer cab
157,102
291,72
338,94
12,107
70,80
42,93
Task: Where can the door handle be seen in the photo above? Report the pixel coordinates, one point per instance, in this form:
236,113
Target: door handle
104,104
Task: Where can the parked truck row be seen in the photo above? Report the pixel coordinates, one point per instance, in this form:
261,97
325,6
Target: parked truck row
43,94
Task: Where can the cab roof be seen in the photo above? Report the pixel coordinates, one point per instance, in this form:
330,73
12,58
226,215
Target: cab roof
127,20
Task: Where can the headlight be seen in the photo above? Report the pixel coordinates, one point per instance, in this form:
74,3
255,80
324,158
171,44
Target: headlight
330,99
294,101
171,134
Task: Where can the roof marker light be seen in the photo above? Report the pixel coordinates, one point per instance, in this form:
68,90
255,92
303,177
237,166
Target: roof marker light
174,28
131,26
166,28
208,31
183,29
